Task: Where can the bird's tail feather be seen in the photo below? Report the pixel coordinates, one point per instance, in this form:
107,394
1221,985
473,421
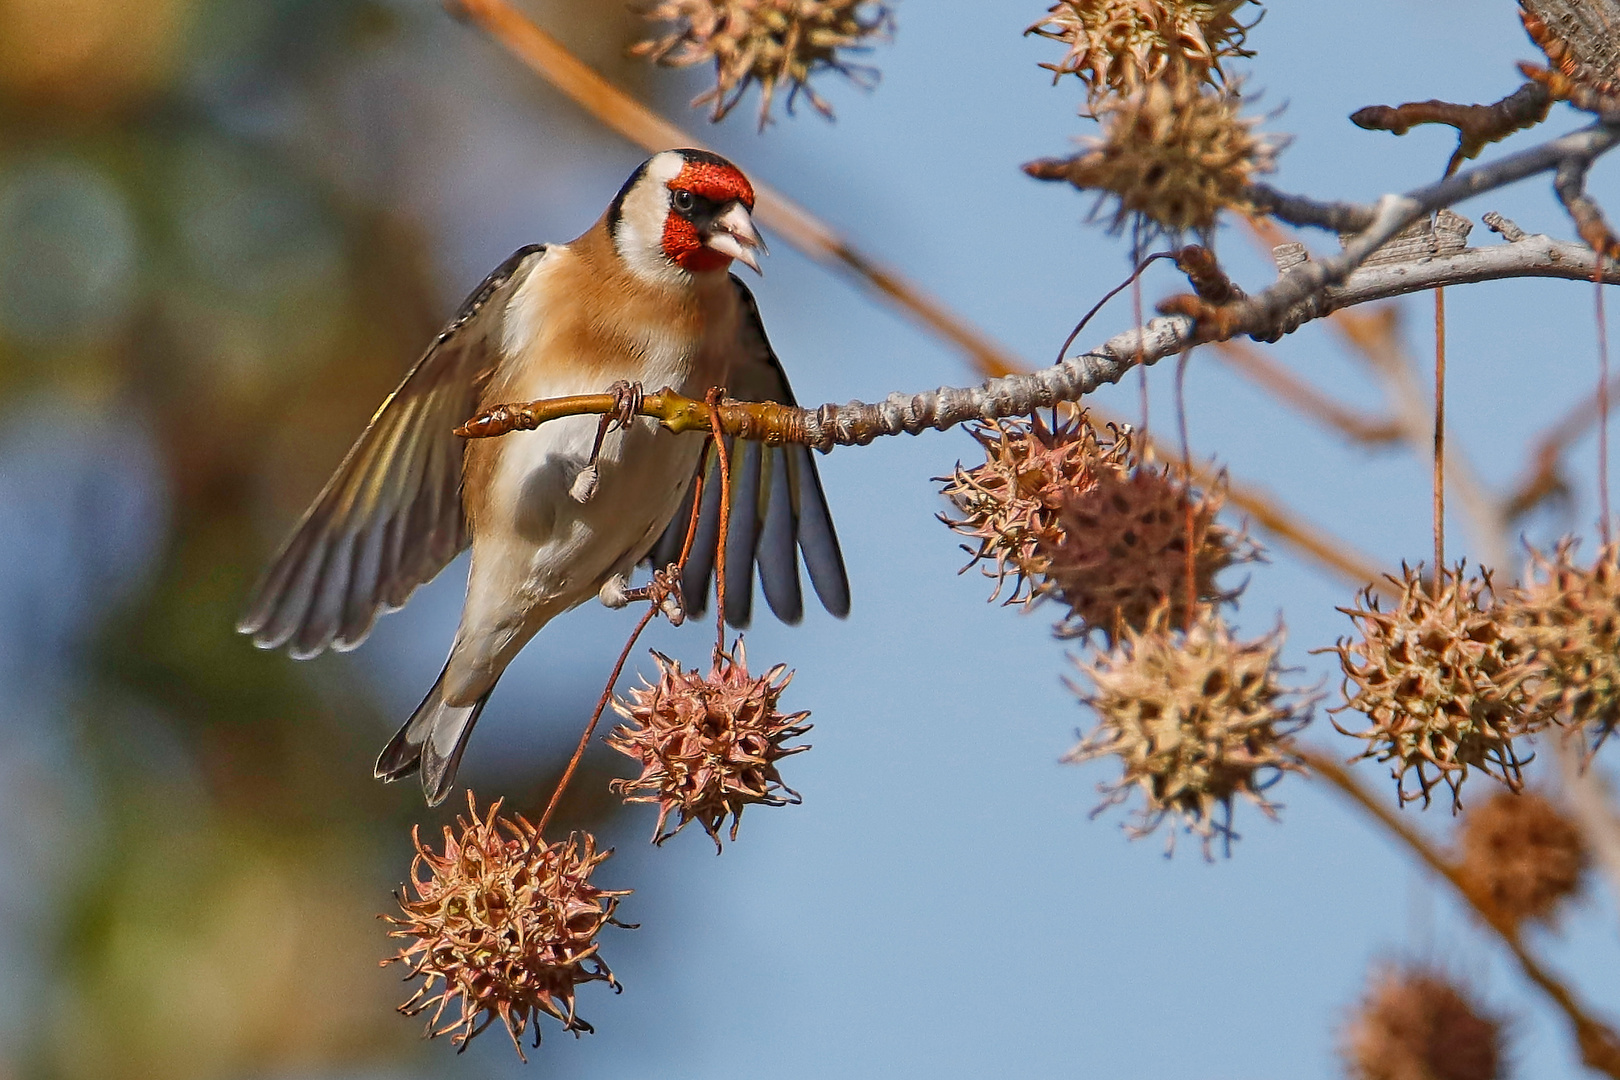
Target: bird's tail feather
431,741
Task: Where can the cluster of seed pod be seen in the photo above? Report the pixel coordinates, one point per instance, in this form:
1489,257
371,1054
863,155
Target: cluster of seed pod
1417,1023
774,44
1453,678
708,744
1174,149
1195,717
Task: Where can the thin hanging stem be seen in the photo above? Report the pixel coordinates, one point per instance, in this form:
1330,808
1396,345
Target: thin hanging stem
1109,295
1136,319
1439,439
596,715
1186,479
653,607
1603,405
1141,369
714,398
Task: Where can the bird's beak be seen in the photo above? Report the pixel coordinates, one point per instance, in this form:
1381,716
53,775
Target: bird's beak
732,233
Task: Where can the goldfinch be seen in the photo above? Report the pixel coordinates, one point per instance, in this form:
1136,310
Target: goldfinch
645,297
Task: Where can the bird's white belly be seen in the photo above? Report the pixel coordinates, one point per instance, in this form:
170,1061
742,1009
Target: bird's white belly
572,546
539,552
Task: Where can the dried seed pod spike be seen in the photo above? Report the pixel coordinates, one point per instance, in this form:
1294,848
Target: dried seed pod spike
1116,46
1121,551
768,43
1196,719
1011,503
708,746
1172,155
503,926
1522,856
1442,679
1416,1022
1569,615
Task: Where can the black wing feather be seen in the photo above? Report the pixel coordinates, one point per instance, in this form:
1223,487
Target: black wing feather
817,539
778,508
778,559
742,531
700,563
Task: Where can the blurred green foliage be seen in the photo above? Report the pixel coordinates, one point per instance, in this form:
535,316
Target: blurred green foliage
186,258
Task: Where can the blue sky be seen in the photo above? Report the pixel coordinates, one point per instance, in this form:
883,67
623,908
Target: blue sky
942,905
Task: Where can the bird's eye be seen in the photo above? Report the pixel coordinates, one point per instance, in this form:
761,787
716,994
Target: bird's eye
684,201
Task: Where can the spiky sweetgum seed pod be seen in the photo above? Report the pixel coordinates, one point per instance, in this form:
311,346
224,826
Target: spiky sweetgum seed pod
1117,45
1522,855
1442,682
774,43
1570,615
504,926
1012,502
1172,154
1120,550
707,745
1196,719
1416,1025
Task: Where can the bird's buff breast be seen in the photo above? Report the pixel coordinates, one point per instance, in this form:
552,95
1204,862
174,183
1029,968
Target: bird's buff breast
554,551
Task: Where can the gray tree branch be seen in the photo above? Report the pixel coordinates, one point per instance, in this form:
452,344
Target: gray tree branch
1531,255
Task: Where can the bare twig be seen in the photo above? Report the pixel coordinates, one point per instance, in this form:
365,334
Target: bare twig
1206,275
1306,399
1592,806
1580,36
1265,312
1570,184
1600,1048
858,423
1392,213
1477,125
1533,255
1600,100
1542,479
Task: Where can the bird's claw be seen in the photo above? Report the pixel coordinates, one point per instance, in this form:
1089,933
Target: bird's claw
664,590
627,399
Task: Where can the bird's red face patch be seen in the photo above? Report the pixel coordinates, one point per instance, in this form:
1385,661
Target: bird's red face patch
686,249
716,183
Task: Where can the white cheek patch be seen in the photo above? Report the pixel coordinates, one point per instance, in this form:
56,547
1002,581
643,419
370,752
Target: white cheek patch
640,237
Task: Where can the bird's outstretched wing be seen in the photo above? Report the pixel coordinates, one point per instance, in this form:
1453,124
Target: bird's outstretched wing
391,516
778,509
